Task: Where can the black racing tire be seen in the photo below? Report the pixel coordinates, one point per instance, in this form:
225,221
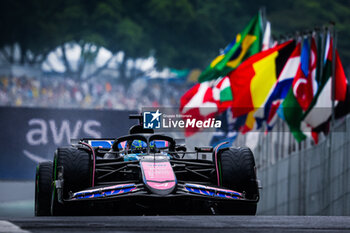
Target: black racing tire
43,181
238,173
77,174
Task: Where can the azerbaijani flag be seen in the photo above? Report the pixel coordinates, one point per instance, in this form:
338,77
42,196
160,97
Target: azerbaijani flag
300,96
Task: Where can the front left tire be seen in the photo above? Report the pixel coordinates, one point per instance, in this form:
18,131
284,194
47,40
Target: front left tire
76,165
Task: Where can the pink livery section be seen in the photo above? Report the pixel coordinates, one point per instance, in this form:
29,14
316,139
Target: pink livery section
158,176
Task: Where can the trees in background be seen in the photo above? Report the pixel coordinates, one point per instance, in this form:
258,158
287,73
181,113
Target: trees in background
179,34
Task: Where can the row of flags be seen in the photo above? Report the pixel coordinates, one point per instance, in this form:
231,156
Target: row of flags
254,82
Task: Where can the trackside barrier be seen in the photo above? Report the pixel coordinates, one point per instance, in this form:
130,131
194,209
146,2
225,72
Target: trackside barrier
305,179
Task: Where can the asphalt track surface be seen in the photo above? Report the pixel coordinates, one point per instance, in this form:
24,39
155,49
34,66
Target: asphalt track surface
191,224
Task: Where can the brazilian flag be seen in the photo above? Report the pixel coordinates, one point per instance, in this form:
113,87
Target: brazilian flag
246,43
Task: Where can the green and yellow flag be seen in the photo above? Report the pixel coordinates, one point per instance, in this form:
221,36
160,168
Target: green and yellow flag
246,43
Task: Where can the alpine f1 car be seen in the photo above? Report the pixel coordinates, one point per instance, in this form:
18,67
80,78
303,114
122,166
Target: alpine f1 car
146,173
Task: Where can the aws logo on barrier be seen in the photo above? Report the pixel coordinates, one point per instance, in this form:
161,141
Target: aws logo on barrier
44,133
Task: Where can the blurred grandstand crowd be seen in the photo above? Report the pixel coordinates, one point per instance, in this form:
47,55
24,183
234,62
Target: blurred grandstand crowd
93,94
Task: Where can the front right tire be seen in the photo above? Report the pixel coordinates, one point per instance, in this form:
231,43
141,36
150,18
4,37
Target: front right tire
238,173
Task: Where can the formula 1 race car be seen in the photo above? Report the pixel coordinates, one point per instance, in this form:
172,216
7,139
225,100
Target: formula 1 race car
146,173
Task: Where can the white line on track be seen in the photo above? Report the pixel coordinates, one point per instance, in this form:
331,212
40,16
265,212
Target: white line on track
7,227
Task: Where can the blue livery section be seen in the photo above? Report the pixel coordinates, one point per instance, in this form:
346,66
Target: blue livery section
132,157
159,143
101,143
213,192
105,192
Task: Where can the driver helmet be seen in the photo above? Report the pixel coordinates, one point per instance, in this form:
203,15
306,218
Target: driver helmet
138,144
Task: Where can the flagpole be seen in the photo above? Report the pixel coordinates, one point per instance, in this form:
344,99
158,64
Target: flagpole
329,158
323,34
262,11
333,73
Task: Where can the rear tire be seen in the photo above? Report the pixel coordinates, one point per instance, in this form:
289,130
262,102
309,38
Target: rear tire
77,170
238,173
43,181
